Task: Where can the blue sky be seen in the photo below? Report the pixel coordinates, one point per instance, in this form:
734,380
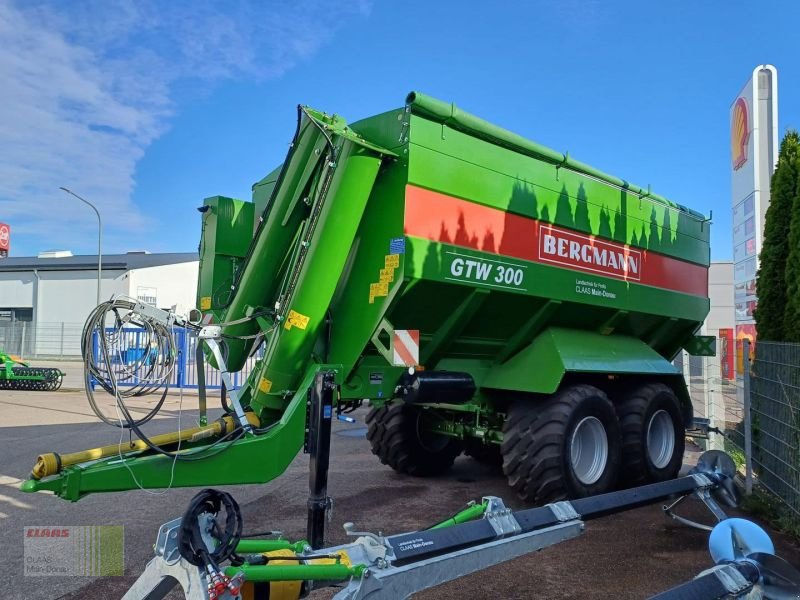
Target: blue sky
147,107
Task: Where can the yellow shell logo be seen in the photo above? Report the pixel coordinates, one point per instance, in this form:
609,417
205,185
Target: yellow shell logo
740,133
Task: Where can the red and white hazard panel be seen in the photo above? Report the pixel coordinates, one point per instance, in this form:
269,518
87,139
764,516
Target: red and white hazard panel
405,347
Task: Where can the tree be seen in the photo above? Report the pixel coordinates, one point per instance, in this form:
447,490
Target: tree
771,282
791,315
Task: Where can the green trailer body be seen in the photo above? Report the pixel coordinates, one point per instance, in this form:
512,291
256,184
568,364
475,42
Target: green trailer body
482,242
425,240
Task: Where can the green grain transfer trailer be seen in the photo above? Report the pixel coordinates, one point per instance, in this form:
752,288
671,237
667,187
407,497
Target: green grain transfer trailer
486,294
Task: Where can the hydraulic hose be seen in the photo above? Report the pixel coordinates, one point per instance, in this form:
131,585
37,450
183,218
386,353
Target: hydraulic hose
149,372
191,542
154,358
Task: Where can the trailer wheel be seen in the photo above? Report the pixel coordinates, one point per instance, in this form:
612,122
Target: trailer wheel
398,437
652,434
568,447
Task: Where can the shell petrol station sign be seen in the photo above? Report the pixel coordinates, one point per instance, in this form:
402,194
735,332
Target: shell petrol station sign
754,150
740,132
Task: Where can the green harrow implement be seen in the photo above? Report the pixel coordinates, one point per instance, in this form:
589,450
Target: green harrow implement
17,375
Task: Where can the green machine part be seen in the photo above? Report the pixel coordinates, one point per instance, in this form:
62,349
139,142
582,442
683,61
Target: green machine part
18,375
511,262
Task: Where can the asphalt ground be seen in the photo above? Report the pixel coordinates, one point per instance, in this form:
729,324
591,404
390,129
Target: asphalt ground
629,555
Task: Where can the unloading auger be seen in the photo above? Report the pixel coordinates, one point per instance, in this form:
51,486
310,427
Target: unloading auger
207,554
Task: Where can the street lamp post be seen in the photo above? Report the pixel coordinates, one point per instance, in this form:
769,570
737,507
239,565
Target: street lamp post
99,238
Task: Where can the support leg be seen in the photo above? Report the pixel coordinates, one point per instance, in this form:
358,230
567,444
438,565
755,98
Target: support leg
320,413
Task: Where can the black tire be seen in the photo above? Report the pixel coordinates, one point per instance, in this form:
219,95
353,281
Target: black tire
397,436
537,445
636,414
485,454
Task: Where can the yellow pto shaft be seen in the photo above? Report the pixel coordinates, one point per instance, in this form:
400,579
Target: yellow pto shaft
52,463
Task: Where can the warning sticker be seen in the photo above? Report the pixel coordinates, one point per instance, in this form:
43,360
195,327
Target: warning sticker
264,385
405,347
386,275
295,319
205,302
378,290
392,261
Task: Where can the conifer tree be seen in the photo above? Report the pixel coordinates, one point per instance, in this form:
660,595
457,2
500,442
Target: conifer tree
772,280
791,188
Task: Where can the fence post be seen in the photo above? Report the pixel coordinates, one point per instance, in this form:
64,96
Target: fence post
62,340
687,375
748,421
708,403
22,342
10,338
181,335
95,355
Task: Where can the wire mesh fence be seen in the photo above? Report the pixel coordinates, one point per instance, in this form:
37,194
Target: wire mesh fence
774,405
718,396
41,340
768,388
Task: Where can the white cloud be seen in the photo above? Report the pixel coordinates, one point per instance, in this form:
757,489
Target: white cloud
86,87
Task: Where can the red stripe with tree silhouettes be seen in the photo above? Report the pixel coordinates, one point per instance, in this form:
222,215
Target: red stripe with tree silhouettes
441,218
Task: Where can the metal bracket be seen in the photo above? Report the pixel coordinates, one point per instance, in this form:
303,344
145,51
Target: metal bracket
500,517
732,579
211,335
168,569
702,493
374,546
563,511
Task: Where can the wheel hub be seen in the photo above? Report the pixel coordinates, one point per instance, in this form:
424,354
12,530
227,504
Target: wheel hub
589,450
660,439
429,440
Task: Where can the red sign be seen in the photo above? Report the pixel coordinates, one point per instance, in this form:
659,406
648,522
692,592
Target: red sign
571,249
5,237
726,354
740,133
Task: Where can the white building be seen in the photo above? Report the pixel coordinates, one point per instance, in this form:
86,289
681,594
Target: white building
720,294
45,300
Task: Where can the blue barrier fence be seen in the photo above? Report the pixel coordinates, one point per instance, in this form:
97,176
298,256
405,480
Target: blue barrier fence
129,349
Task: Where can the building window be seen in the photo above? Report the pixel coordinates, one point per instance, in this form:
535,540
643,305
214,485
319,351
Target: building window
148,295
16,314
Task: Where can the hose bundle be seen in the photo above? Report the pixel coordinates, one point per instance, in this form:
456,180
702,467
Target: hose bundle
194,538
131,349
145,366
206,540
